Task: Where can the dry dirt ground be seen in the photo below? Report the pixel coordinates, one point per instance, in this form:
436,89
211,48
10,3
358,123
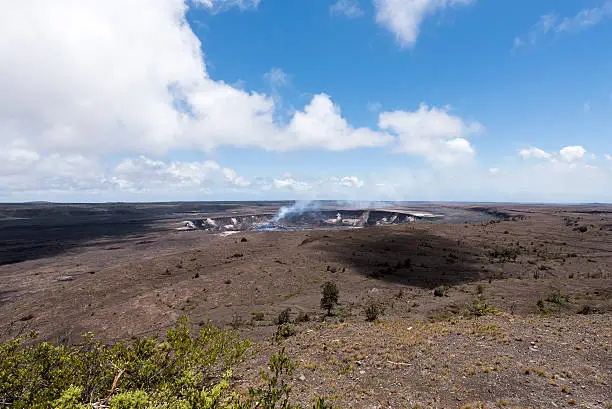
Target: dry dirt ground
524,318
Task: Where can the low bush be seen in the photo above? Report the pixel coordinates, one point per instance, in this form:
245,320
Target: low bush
302,317
557,298
283,332
442,290
480,309
257,316
183,371
283,317
372,310
586,309
504,254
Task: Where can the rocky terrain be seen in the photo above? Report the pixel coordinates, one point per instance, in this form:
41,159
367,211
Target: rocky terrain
501,313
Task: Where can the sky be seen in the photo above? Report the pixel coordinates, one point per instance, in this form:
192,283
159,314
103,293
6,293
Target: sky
424,100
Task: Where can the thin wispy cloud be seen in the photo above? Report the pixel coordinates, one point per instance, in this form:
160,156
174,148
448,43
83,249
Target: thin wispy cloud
346,8
404,18
554,24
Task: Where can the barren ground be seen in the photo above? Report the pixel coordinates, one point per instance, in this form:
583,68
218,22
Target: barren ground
540,335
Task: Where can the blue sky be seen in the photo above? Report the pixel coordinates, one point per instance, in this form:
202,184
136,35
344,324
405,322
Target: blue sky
468,100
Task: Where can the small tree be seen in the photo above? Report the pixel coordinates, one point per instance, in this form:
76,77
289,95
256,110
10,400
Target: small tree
329,296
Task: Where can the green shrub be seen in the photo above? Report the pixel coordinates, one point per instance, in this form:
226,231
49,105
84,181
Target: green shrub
148,371
480,309
372,310
283,332
258,316
184,371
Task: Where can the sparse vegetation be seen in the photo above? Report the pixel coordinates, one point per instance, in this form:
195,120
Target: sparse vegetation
557,298
283,317
257,316
302,317
284,332
442,290
479,309
586,309
236,321
504,254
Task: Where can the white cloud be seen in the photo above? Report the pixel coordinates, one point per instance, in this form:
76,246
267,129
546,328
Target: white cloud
572,153
374,106
586,18
289,183
347,8
608,157
432,133
321,124
518,42
120,80
403,18
314,187
567,154
547,22
277,78
221,5
552,23
533,152
586,107
493,171
142,173
348,181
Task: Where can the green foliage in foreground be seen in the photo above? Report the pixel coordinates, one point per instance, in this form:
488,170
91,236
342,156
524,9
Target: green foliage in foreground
184,371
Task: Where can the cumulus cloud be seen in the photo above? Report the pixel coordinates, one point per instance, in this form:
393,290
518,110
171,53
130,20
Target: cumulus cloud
567,154
608,157
287,182
120,80
572,153
533,152
320,123
403,18
347,8
143,173
432,133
